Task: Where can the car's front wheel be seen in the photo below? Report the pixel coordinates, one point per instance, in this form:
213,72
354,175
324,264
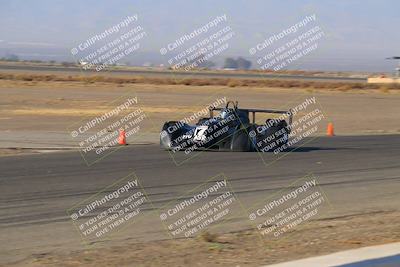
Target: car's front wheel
240,141
167,136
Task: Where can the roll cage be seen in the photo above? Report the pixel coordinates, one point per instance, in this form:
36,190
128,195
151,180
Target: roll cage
252,111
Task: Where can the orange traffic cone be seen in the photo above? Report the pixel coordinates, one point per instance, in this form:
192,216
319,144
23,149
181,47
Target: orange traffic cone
329,130
122,137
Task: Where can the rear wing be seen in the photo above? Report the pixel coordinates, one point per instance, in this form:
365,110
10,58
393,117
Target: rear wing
254,111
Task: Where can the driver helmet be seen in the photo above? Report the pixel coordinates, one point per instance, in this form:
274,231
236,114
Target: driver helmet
225,113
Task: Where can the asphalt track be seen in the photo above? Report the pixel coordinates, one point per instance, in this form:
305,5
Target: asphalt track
359,174
183,74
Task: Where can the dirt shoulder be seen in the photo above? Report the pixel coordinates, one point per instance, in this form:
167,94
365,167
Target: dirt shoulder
258,81
238,249
37,114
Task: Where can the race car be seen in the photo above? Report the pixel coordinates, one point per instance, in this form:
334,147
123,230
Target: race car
230,130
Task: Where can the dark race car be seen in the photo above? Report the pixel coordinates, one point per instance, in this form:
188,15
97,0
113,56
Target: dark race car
230,130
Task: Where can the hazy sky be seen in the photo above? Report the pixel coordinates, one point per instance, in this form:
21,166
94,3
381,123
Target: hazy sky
359,33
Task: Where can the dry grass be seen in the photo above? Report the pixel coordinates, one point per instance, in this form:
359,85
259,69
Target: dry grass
244,248
231,82
208,237
85,111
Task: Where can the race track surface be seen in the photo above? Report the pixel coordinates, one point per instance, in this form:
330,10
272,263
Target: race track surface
36,190
182,74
